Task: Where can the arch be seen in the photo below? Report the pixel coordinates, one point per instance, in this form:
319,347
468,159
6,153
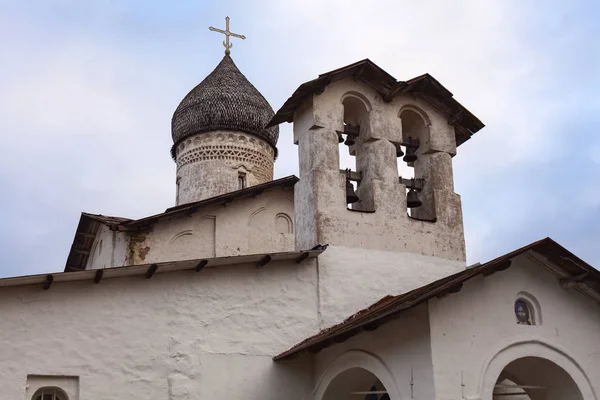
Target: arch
254,214
495,364
56,392
418,111
357,359
359,96
356,109
283,223
180,235
534,306
415,124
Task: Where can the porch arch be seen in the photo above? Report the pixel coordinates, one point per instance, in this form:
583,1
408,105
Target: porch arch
352,360
534,351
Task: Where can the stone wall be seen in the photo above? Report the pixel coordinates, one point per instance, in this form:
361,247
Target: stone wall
209,164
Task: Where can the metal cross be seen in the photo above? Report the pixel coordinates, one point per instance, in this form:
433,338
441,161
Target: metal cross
227,33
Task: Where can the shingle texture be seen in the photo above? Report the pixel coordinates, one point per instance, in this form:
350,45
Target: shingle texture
225,99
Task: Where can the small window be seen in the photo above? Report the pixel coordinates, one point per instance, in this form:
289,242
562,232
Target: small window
523,312
49,394
242,180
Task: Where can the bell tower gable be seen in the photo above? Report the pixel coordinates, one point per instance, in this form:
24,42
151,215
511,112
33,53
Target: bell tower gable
382,122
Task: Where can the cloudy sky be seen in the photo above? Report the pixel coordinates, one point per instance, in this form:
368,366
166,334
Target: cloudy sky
87,90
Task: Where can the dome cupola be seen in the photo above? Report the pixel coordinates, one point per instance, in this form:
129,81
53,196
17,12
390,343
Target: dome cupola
220,142
224,100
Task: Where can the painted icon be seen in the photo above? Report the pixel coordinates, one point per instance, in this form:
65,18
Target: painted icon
522,312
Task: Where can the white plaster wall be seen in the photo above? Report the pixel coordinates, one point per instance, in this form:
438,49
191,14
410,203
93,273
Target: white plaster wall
177,336
247,226
353,278
469,329
402,346
110,248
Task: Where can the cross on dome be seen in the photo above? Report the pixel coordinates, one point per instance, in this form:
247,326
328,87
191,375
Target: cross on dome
227,33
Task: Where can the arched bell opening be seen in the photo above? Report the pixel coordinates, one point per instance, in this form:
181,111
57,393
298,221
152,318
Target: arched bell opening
356,384
415,133
356,123
535,378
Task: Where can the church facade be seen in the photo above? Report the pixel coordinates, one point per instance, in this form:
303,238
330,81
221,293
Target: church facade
337,284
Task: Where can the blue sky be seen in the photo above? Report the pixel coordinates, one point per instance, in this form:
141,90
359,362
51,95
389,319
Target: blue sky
88,89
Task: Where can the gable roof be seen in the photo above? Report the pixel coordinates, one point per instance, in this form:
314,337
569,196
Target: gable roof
84,238
570,269
426,86
89,223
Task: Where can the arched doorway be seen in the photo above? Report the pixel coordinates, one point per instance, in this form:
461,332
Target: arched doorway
356,384
535,378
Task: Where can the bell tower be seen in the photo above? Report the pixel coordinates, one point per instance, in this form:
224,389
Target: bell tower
407,231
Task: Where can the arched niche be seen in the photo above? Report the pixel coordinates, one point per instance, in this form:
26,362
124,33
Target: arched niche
283,223
183,236
257,218
533,306
536,363
355,371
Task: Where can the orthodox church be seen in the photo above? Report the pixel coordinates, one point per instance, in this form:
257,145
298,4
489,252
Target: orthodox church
336,284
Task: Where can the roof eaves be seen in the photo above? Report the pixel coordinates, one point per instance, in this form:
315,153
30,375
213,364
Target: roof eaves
162,267
381,81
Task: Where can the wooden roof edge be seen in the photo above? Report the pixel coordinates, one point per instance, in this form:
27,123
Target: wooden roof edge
224,198
261,259
390,88
84,221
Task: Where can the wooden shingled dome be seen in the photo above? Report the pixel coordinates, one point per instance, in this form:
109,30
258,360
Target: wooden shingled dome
225,100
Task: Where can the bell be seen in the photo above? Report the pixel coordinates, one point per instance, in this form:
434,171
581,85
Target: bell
411,150
340,138
411,155
349,141
399,152
351,196
412,199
